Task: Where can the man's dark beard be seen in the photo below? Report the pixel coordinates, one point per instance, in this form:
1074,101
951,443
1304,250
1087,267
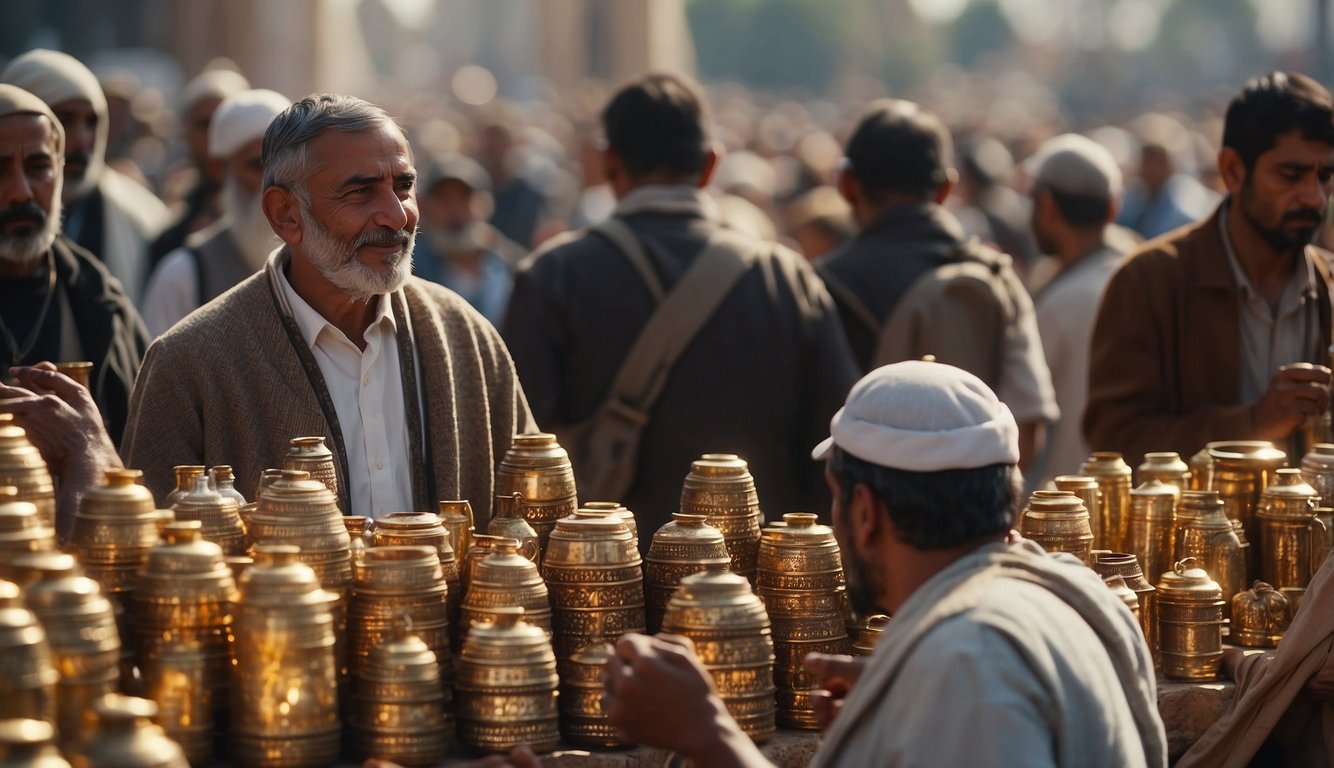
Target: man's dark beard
863,587
20,212
1277,236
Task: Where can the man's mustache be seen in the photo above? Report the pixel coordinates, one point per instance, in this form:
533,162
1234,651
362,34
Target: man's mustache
1304,216
23,212
78,158
383,236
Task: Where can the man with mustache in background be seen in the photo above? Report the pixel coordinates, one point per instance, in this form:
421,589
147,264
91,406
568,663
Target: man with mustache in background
1221,330
413,391
57,302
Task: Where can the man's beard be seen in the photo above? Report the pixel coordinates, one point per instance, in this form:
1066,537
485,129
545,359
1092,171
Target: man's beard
1282,239
336,258
94,166
863,585
249,227
24,250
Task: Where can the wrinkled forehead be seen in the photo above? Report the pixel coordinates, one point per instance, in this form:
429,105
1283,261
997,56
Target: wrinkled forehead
28,131
380,151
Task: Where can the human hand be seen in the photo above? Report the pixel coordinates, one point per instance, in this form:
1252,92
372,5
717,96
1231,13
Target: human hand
835,675
1295,393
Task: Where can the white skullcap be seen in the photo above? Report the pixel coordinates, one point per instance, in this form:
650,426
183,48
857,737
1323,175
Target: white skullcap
1076,165
219,83
241,118
923,417
55,77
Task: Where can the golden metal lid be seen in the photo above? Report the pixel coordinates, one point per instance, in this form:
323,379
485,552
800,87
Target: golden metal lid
1155,488
534,451
1186,579
1105,463
1246,452
1288,484
1075,482
120,496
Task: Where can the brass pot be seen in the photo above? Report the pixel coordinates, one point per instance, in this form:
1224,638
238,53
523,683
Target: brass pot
1205,534
396,584
1291,535
684,546
483,544
22,528
26,743
1318,470
1152,511
181,681
1125,565
507,579
583,721
730,629
1112,473
1241,470
224,482
28,674
310,454
456,517
539,468
114,529
721,488
186,474
296,509
868,634
1190,623
1059,524
1086,488
284,675
619,510
424,529
21,466
358,535
219,516
1119,588
1260,616
1167,468
595,579
507,684
127,738
508,523
400,709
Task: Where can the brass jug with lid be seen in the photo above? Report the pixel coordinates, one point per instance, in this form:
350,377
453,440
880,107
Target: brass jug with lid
868,634
508,523
721,488
186,474
1290,532
310,454
595,580
727,622
1241,470
684,546
507,684
28,673
456,517
1059,522
537,467
1260,616
81,630
1190,622
425,529
284,676
1086,488
483,544
800,580
125,737
1206,534
22,466
114,529
219,516
400,709
1152,512
583,721
619,510
1123,564
26,743
505,579
1112,473
1167,468
396,584
22,528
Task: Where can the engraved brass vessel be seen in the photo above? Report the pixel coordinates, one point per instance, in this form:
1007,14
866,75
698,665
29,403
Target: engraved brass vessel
583,722
456,517
28,674
1190,623
1291,534
1109,564
396,584
400,711
310,454
539,468
1152,512
425,529
684,546
1205,534
22,528
1119,588
508,523
1260,616
1113,476
506,579
219,516
1059,523
507,687
114,529
1167,468
186,474
1241,470
21,466
721,488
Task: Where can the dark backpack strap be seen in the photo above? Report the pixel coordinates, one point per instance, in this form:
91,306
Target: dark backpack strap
621,236
844,295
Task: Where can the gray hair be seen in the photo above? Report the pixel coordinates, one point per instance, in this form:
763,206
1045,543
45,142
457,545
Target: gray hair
284,155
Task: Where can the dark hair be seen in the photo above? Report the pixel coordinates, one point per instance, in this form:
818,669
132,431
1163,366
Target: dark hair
1080,211
1274,104
899,148
657,124
935,510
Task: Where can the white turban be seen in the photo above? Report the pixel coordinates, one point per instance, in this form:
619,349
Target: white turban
241,118
923,417
217,83
55,77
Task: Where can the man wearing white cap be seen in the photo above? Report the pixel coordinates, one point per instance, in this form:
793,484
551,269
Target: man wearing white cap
998,654
110,215
234,247
1076,192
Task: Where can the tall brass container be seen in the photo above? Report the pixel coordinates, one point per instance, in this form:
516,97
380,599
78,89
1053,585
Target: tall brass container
125,737
868,634
219,516
508,522
684,546
424,529
27,672
186,474
1166,467
21,466
1318,470
399,710
284,676
1125,565
1290,533
1190,623
721,488
507,685
596,581
456,517
26,743
1205,534
800,580
1060,524
507,579
1152,511
1241,470
397,583
22,528
539,468
730,629
583,722
81,631
1113,475
179,681
1086,488
310,454
114,529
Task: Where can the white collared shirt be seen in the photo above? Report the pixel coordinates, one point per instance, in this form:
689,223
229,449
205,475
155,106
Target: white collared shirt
367,392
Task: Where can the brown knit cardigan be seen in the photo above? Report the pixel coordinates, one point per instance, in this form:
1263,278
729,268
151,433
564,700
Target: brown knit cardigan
226,386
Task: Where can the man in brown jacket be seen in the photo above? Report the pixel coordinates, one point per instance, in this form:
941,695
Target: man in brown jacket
1217,331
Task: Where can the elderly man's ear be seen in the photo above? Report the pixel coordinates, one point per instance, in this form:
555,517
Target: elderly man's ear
283,211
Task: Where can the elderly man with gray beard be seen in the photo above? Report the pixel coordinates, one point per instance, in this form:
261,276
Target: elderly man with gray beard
413,390
57,301
234,247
